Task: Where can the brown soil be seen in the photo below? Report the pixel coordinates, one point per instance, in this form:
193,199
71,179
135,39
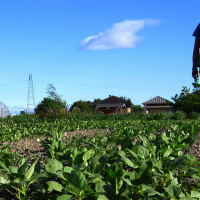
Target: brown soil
29,146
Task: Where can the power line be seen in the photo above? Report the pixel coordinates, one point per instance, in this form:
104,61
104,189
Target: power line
13,82
88,85
104,86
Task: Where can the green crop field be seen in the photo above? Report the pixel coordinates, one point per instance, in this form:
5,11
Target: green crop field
139,157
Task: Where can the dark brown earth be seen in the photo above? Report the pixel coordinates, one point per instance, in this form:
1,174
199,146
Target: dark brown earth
29,147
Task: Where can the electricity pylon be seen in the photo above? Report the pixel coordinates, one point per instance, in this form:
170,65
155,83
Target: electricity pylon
31,98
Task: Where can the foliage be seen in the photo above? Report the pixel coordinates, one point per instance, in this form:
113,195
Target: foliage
83,106
48,105
128,100
51,91
188,101
52,104
137,109
179,115
96,100
194,115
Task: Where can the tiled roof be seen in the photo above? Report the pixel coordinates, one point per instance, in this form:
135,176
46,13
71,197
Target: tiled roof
112,100
156,100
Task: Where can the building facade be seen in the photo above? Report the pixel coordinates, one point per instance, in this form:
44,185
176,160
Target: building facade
113,105
157,104
4,111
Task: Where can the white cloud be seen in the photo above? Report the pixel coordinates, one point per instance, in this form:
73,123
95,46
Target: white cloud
121,35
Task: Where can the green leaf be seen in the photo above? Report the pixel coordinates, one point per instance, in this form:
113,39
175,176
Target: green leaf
38,187
125,159
4,166
173,191
22,169
53,165
99,168
144,140
4,179
104,158
64,197
98,156
129,162
77,179
30,171
13,169
150,190
88,154
112,174
139,171
133,153
124,143
195,194
167,153
102,187
127,181
142,152
60,175
191,158
165,138
102,197
120,198
71,189
68,169
99,186
53,185
89,189
178,162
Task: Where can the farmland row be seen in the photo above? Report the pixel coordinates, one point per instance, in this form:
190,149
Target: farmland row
15,129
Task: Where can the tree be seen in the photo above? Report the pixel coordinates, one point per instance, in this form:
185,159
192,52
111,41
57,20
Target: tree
51,91
188,101
53,102
84,106
96,100
137,109
128,100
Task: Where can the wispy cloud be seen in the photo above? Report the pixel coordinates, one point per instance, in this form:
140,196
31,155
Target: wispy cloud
121,35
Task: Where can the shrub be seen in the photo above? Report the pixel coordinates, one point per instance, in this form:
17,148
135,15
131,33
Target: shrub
194,115
178,115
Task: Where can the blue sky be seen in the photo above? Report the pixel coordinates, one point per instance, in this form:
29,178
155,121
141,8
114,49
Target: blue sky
92,49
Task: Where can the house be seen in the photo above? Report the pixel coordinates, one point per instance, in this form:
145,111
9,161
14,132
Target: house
113,105
157,104
4,111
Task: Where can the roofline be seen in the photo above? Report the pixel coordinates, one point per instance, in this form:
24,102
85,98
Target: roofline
99,102
157,103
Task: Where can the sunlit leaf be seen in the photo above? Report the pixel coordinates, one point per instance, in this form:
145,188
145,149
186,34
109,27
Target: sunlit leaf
77,179
53,185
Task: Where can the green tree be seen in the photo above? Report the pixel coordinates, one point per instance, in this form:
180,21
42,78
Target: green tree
83,106
187,101
96,100
52,103
137,109
128,100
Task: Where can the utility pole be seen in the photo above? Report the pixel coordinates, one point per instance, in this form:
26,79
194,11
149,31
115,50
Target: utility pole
31,98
